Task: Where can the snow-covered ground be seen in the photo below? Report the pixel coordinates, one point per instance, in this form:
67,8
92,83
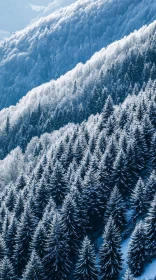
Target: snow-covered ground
149,272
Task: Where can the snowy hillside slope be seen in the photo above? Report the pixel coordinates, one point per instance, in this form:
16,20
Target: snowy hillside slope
55,44
17,161
79,165
121,68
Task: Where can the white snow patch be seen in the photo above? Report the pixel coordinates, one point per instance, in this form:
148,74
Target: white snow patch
149,272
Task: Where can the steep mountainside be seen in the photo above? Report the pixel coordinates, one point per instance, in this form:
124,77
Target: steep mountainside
121,69
78,154
54,45
62,195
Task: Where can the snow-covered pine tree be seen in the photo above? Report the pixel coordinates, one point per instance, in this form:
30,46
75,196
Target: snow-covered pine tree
120,175
110,253
105,172
34,268
58,184
79,150
86,264
91,196
116,208
19,205
110,126
49,212
131,163
81,207
138,200
137,249
6,270
151,230
150,187
56,260
21,182
11,198
10,237
5,225
91,177
148,130
39,172
23,239
141,150
41,197
153,151
106,113
3,248
128,275
38,240
71,223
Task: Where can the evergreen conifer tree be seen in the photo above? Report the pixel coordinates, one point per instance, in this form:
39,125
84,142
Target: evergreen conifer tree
120,175
153,151
150,187
19,205
3,248
38,240
71,222
128,275
11,198
86,266
116,208
21,182
151,230
23,239
58,184
6,270
138,200
39,172
10,237
106,113
34,269
110,253
56,258
137,249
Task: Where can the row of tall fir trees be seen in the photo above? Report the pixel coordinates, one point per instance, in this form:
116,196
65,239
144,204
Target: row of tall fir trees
99,180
